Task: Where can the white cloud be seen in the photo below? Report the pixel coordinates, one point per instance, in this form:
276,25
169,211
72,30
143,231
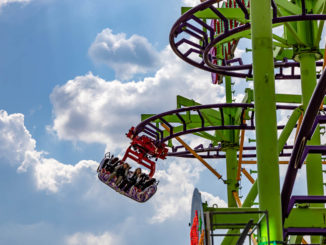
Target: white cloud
126,56
177,178
14,137
17,147
212,200
91,109
51,174
175,189
91,239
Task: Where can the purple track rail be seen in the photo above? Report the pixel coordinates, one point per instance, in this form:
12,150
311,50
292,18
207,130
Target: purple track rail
215,152
304,134
183,32
151,127
189,27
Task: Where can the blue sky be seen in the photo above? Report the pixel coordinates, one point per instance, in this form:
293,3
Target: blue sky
75,76
66,98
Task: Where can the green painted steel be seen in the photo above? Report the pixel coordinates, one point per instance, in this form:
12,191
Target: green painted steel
229,13
228,89
306,217
288,98
231,150
287,130
226,218
232,162
300,41
231,171
314,165
295,239
288,6
265,109
248,203
252,194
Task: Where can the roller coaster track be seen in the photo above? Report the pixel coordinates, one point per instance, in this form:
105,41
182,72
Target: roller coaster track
300,151
152,129
215,152
189,27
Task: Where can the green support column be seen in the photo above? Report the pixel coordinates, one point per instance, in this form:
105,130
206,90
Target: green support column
252,195
231,158
265,118
314,165
314,161
231,171
231,150
228,89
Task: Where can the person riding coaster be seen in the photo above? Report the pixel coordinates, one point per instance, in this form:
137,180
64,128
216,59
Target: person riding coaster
133,184
120,172
128,182
108,163
144,182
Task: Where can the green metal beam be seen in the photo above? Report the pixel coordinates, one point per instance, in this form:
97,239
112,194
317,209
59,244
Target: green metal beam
229,13
306,217
191,118
292,31
287,130
322,10
281,45
265,118
284,53
223,218
291,98
277,52
183,101
288,6
319,6
231,171
213,138
288,98
314,165
319,32
242,34
280,39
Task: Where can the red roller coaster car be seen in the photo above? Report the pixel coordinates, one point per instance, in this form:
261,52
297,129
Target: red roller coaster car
142,149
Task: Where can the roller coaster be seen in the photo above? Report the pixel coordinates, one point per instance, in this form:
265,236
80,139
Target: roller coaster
286,37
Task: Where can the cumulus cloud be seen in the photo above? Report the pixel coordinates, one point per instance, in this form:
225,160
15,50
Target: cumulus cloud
18,148
14,137
90,109
177,178
175,189
91,239
125,56
51,174
213,200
